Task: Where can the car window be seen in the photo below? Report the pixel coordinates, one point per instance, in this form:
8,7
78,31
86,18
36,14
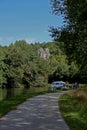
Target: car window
57,83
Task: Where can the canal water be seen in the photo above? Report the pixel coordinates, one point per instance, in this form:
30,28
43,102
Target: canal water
7,93
11,92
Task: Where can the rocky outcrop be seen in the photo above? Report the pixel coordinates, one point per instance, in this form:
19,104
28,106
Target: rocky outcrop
44,53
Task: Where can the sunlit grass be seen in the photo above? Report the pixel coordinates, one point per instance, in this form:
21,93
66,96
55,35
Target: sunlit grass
73,106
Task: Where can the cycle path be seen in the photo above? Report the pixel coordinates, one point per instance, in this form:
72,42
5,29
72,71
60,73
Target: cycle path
37,113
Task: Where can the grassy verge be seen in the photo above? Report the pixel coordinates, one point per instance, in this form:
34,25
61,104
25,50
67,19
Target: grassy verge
73,107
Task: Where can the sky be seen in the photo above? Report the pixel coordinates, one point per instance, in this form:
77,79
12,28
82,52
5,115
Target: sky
26,20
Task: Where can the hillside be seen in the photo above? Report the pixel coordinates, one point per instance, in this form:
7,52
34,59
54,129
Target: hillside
21,64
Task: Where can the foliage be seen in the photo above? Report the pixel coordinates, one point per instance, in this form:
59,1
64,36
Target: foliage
2,67
21,64
74,31
73,70
74,108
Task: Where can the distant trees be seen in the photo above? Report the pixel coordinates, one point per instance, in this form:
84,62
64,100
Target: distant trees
20,64
2,67
59,66
13,65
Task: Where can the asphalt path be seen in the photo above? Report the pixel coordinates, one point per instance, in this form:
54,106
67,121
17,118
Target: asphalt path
37,113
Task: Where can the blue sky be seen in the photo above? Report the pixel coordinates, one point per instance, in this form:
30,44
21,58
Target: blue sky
26,20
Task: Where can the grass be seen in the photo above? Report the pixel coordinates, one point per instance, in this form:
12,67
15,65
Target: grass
73,107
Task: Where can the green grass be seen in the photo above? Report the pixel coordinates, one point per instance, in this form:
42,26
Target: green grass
73,107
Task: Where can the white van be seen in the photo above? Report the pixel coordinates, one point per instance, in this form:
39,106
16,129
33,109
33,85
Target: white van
57,85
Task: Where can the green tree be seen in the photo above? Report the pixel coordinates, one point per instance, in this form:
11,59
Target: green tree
2,67
73,70
13,62
74,32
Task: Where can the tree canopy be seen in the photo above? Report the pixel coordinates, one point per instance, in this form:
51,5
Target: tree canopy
20,64
74,31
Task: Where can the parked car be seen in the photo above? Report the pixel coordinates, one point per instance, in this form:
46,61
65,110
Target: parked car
57,85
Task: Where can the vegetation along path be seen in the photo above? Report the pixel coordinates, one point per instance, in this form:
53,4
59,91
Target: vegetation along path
38,113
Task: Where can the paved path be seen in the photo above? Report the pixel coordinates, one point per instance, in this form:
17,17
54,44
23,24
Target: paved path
38,113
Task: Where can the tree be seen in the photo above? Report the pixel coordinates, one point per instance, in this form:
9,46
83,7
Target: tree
74,32
13,62
2,67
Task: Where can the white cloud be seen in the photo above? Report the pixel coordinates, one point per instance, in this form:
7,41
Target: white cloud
30,40
9,40
6,40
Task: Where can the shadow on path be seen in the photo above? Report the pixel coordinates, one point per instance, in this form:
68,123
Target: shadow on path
38,113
